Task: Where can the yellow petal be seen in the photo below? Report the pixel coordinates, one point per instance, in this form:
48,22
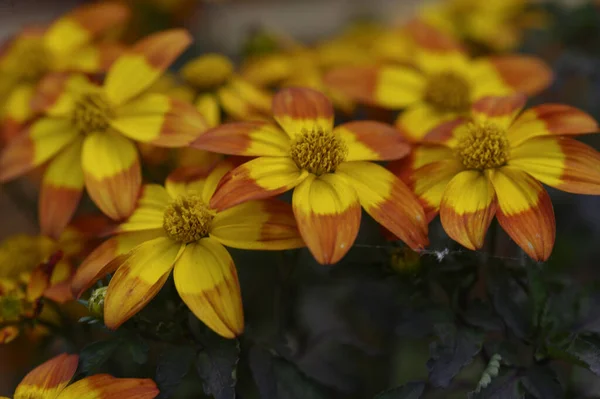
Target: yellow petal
207,71
207,281
208,106
149,210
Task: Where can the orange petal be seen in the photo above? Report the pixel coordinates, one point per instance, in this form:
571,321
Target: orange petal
559,162
259,178
41,276
389,87
468,207
522,73
54,94
159,120
245,138
300,110
524,211
62,186
200,180
8,334
328,215
104,386
372,141
83,24
422,122
421,155
95,58
551,119
265,225
111,169
140,274
137,70
98,263
60,283
48,379
388,201
207,281
501,111
40,142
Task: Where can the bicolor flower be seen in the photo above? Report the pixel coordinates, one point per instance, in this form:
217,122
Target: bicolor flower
326,167
174,228
219,87
51,380
66,45
492,165
87,133
442,84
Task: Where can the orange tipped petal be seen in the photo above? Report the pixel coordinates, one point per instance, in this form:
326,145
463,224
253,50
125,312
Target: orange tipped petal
140,274
54,94
60,283
104,386
62,186
501,111
98,263
82,25
422,122
111,169
328,215
48,379
388,201
137,70
245,138
372,141
389,87
300,110
264,225
526,74
560,162
468,207
524,211
40,142
201,180
207,281
8,334
551,119
243,101
159,120
259,178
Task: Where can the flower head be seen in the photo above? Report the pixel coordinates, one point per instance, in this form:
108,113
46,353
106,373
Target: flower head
443,83
326,167
175,228
51,380
88,130
492,165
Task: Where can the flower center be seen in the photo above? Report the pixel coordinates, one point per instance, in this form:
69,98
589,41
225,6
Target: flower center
92,113
32,60
318,151
187,219
448,92
483,146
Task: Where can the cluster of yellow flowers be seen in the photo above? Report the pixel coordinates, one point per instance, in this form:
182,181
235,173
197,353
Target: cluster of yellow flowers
84,108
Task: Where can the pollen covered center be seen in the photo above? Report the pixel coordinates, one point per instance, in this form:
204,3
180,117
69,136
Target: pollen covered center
318,151
92,113
187,219
448,92
483,146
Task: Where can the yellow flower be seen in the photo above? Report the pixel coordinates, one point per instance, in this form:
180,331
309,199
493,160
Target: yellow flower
327,169
51,379
64,46
443,83
88,130
175,228
492,165
219,87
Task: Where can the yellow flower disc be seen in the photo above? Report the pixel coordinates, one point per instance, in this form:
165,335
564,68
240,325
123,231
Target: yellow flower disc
318,151
483,146
92,112
448,92
187,219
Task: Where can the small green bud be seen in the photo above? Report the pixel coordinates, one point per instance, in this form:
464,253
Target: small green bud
96,302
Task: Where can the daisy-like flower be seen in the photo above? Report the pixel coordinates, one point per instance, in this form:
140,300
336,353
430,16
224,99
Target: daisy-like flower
492,165
87,133
50,380
66,45
442,84
219,87
327,169
175,228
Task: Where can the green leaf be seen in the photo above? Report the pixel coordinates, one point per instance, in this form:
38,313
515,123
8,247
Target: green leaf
454,350
511,304
261,365
217,364
293,384
94,355
480,314
584,351
174,363
503,387
411,390
542,383
138,350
